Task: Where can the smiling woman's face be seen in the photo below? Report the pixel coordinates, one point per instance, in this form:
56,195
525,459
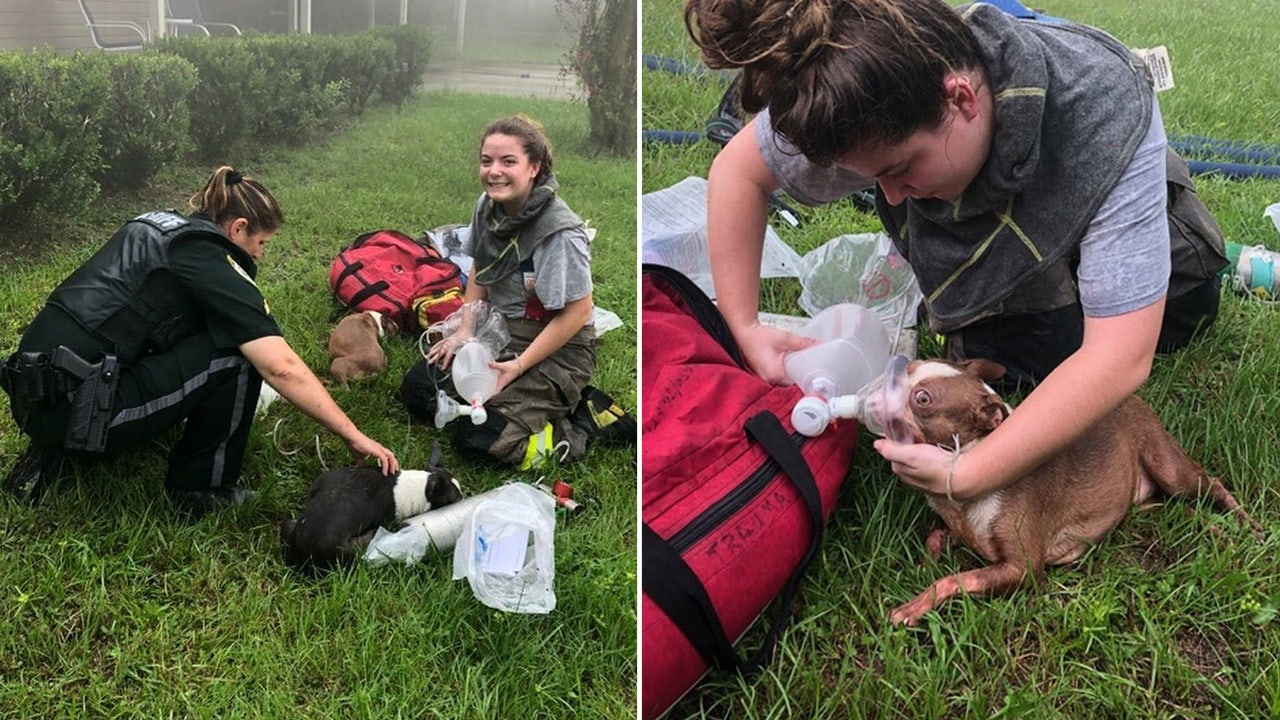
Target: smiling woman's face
506,173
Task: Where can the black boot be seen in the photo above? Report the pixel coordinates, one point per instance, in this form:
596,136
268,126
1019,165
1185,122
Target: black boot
195,504
34,473
418,389
601,418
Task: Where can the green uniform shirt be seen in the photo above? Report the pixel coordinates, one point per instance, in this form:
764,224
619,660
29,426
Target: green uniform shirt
233,307
209,285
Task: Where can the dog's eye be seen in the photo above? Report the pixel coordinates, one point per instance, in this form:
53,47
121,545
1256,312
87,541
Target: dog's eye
922,398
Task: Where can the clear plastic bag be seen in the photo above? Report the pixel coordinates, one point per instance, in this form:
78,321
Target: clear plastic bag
506,550
865,269
486,324
673,232
407,545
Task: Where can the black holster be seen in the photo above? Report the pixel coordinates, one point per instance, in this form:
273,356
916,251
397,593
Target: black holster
91,402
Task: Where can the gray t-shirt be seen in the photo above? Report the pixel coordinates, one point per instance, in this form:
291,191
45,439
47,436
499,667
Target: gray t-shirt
561,274
1124,254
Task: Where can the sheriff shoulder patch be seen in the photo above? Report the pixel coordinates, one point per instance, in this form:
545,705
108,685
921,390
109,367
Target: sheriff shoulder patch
240,271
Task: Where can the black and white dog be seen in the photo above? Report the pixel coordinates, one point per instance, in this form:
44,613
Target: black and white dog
345,507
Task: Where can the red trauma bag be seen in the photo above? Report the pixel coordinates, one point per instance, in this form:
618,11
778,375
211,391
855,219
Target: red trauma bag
391,273
733,499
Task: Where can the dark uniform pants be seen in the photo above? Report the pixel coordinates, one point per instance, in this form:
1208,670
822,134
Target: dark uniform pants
215,391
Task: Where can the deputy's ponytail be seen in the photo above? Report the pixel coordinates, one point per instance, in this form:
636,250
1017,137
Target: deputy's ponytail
229,195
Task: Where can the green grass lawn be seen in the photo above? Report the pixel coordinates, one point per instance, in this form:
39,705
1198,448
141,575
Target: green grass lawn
1174,615
115,607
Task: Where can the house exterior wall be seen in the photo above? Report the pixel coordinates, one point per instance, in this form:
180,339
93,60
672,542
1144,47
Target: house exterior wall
58,24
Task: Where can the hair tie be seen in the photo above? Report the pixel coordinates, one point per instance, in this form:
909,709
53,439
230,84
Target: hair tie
233,177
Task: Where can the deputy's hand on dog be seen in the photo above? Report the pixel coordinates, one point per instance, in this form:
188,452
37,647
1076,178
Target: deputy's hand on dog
364,447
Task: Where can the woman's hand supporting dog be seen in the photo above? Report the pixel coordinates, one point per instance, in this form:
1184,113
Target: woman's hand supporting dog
282,369
1114,360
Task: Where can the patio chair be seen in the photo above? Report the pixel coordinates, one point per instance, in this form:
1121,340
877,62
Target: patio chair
185,18
95,26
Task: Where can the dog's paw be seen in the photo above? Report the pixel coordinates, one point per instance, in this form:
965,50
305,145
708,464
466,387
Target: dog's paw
910,613
937,542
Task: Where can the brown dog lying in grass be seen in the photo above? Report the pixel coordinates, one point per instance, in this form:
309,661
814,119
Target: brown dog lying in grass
355,345
1054,514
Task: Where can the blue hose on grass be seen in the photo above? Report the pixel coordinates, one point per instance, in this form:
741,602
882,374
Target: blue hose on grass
671,137
1196,145
1234,171
679,67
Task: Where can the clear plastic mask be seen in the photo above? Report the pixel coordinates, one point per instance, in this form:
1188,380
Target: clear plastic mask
884,402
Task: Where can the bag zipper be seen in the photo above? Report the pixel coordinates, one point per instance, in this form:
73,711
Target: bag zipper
705,312
733,501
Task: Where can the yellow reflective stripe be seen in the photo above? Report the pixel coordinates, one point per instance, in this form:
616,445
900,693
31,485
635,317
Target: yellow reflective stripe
607,416
1027,91
967,263
512,245
1006,221
1023,237
539,444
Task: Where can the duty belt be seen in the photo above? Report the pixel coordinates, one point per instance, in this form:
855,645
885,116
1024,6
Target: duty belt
30,378
35,379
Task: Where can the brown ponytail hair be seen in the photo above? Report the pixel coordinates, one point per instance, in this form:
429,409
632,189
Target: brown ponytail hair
532,138
229,195
837,75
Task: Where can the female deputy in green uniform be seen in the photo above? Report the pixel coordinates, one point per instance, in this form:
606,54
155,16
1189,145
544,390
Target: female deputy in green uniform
165,324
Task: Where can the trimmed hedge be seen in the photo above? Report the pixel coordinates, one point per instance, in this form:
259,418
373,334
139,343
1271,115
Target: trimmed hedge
146,119
413,49
286,88
73,125
50,150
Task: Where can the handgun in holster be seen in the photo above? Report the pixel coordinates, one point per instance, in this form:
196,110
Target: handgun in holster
92,401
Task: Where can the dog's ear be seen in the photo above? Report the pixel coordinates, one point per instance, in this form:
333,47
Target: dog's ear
992,412
988,370
443,489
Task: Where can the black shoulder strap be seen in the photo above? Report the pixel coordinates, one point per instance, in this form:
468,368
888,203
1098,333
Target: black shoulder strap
669,581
